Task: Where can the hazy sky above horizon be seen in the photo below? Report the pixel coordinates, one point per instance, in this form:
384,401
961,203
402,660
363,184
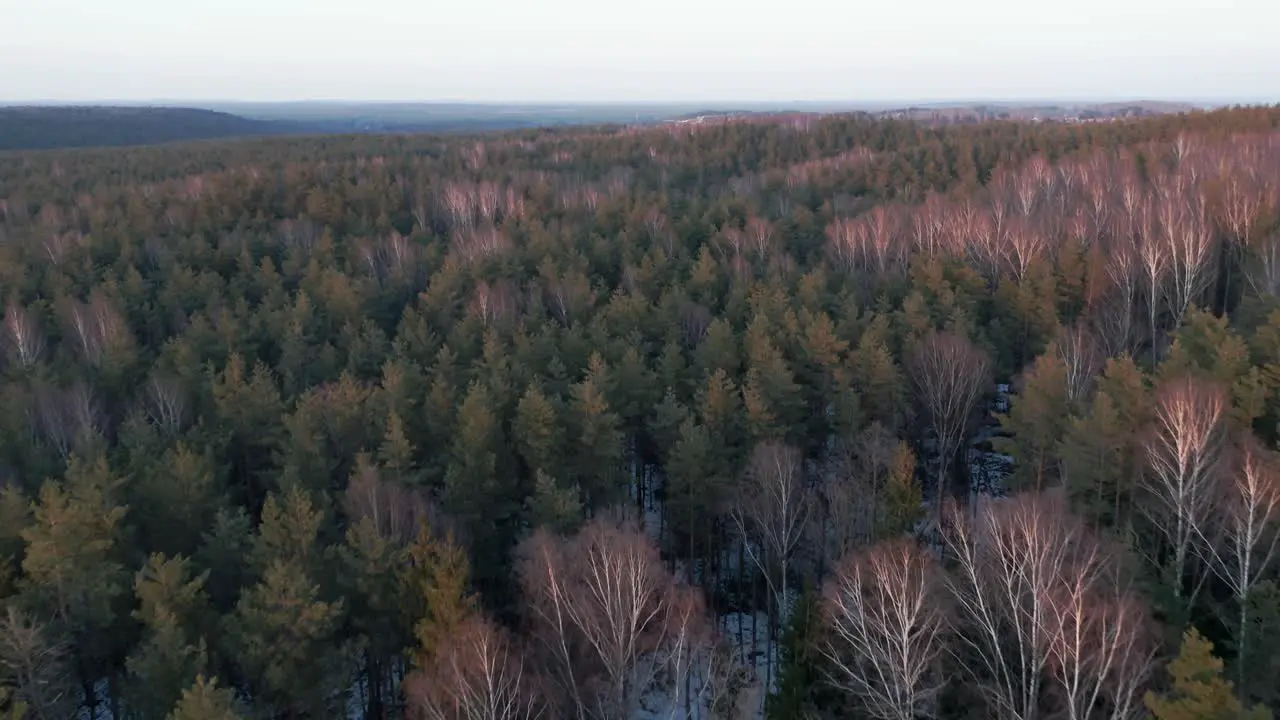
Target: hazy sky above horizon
643,50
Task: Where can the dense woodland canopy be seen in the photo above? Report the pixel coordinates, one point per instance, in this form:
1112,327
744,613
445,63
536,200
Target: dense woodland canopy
679,421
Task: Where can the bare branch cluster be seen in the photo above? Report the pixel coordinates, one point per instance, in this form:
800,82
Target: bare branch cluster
494,303
950,376
473,244
772,513
392,257
395,510
884,606
476,675
1184,451
23,340
1042,607
611,620
66,418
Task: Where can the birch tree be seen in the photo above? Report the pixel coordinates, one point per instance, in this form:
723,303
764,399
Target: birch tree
950,376
772,513
1247,516
883,609
1183,450
1026,579
476,675
606,613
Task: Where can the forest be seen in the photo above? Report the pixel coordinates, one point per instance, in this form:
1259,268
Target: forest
785,417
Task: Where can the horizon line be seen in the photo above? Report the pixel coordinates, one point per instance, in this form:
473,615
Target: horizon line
615,103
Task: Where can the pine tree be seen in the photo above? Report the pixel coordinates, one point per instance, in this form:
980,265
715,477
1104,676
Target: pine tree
1263,666
479,488
673,371
554,507
635,387
1264,346
1199,691
396,453
439,413
799,691
823,349
286,633
771,377
1207,346
171,654
204,700
495,369
15,514
903,505
1036,422
223,550
1125,382
1093,462
693,491
1101,457
823,377
705,280
876,376
664,423
400,390
537,432
721,411
175,500
248,413
762,422
330,424
288,530
1028,309
72,567
718,350
370,560
433,590
287,639
597,457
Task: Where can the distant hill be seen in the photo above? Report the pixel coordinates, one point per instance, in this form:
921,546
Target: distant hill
44,127
72,126
69,126
447,117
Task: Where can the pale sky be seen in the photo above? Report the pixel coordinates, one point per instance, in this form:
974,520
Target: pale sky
638,50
